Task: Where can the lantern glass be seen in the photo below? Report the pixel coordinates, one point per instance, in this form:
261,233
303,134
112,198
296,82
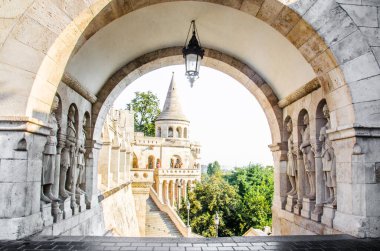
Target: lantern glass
192,64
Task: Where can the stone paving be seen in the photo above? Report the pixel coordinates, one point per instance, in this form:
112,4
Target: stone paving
322,243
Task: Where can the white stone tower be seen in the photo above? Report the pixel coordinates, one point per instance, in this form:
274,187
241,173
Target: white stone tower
172,123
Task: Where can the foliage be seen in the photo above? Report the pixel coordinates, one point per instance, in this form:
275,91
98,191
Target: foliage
213,194
255,186
242,198
146,108
214,169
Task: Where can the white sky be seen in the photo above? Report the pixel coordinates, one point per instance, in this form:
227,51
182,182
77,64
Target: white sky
224,117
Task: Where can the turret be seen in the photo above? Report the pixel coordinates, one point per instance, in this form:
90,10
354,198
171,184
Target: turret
172,123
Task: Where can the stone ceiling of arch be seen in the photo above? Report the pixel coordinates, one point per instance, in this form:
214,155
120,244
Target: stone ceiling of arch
165,25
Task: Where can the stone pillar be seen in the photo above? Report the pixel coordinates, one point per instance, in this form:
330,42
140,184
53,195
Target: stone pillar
280,177
320,187
167,199
22,143
184,191
179,195
56,211
115,165
123,166
92,191
300,183
159,191
105,164
140,192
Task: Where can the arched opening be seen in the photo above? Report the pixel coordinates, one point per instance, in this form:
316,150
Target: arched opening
135,161
158,131
151,162
170,132
326,67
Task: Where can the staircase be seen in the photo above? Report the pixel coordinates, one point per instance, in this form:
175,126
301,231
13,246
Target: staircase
158,224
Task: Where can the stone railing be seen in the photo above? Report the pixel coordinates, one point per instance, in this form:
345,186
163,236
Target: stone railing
141,175
177,172
182,228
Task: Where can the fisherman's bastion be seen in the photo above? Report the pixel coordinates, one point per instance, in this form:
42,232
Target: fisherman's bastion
72,166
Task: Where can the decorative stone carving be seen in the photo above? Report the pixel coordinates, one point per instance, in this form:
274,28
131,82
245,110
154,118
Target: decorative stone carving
69,160
291,167
308,158
49,157
81,179
328,160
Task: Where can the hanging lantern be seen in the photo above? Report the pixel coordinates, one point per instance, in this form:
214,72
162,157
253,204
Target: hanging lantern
193,54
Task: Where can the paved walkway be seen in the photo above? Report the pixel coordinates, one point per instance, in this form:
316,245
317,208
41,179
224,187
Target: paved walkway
327,243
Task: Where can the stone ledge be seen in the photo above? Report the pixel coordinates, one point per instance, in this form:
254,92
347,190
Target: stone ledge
304,223
23,124
300,93
354,130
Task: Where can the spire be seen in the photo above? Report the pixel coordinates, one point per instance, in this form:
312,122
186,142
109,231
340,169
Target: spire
172,108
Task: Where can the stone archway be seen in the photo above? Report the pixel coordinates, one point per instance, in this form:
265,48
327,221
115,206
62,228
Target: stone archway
173,56
320,30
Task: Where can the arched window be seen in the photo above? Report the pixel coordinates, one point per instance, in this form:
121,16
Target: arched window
185,132
158,131
135,161
170,132
151,162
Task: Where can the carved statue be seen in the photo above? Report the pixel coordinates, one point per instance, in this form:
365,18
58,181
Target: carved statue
328,159
291,168
49,155
68,158
81,179
308,157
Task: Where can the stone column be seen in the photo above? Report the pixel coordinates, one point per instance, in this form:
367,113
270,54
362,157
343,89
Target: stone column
167,199
56,211
22,143
115,165
92,191
320,186
123,166
159,191
140,192
300,183
179,196
104,164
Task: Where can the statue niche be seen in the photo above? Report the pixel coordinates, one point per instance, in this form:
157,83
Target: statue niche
81,179
68,158
328,159
308,157
49,156
291,167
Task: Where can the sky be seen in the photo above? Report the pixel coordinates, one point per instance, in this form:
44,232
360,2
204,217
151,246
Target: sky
224,116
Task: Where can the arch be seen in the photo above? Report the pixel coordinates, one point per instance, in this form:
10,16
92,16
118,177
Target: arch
320,120
170,132
176,161
135,163
151,162
173,56
49,71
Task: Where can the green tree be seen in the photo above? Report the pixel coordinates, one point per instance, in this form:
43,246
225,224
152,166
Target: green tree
214,169
242,197
255,186
213,194
146,107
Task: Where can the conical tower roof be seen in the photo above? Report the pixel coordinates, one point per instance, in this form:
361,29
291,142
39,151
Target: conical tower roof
172,108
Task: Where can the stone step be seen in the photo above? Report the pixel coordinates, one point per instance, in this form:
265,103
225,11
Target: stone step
157,223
